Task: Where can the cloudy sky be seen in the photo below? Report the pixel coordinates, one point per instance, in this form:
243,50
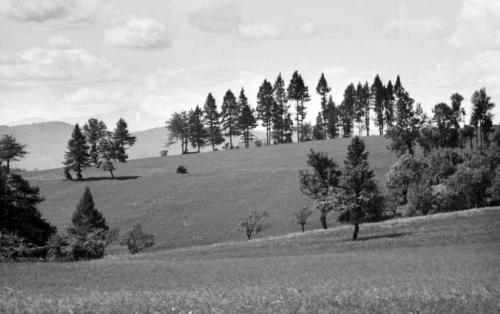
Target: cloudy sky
71,58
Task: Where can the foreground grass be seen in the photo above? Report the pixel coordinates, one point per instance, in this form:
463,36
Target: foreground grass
443,263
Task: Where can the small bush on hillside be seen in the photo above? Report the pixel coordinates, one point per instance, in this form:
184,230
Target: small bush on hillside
14,248
302,216
254,223
258,142
181,170
136,240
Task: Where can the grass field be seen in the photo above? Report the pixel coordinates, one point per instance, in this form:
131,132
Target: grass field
446,263
204,206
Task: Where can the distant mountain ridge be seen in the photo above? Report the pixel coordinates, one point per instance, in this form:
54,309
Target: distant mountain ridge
46,143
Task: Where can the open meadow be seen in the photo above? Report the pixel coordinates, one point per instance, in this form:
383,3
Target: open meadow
445,263
204,206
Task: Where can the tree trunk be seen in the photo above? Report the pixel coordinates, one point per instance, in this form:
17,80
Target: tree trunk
111,173
8,165
303,227
79,176
356,230
322,219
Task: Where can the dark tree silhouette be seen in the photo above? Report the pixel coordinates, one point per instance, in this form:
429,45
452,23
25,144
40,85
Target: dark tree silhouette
298,92
77,156
230,116
10,150
212,122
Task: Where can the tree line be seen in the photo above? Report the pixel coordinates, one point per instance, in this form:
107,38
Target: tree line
95,145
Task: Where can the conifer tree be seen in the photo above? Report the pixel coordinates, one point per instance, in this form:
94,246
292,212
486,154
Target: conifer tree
230,116
10,150
298,92
265,104
389,106
280,110
366,104
347,110
323,89
198,134
358,199
247,120
212,121
123,140
94,130
18,212
458,117
359,110
86,217
378,98
333,119
77,156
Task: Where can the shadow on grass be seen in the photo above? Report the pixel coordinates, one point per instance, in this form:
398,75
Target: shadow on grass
382,236
121,178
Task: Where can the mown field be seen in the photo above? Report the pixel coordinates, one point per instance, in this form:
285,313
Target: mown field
204,206
446,263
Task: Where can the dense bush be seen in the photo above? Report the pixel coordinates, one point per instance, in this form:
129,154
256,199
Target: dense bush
181,170
420,199
14,248
137,240
406,171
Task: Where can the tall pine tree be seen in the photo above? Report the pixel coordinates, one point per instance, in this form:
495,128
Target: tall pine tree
280,110
333,119
123,140
347,110
86,217
265,104
389,106
198,134
77,156
246,121
212,121
230,116
298,92
378,99
323,89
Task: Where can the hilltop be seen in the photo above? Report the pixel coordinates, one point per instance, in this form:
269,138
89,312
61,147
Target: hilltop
204,206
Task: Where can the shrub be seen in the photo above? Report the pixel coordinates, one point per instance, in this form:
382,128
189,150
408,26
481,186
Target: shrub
15,248
470,185
406,171
302,216
181,170
494,190
254,223
136,240
258,142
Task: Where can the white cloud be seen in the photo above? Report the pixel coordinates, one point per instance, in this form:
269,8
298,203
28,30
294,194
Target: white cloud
54,64
272,30
405,26
59,42
221,18
478,25
75,11
139,33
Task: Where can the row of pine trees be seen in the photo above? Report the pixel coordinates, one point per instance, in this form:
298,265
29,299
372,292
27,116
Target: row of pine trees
96,146
282,109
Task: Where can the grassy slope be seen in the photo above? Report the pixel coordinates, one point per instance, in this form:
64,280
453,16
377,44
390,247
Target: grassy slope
204,206
441,263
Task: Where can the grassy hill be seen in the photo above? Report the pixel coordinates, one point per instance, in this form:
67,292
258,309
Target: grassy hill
204,206
445,263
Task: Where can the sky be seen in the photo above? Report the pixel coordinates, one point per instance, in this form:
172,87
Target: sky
78,58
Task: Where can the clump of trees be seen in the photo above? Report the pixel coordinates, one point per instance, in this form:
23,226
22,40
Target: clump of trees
98,147
254,223
350,191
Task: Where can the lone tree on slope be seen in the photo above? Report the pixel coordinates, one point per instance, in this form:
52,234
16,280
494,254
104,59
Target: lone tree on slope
77,156
86,217
357,199
10,150
254,223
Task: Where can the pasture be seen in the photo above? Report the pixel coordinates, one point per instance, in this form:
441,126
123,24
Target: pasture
204,206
